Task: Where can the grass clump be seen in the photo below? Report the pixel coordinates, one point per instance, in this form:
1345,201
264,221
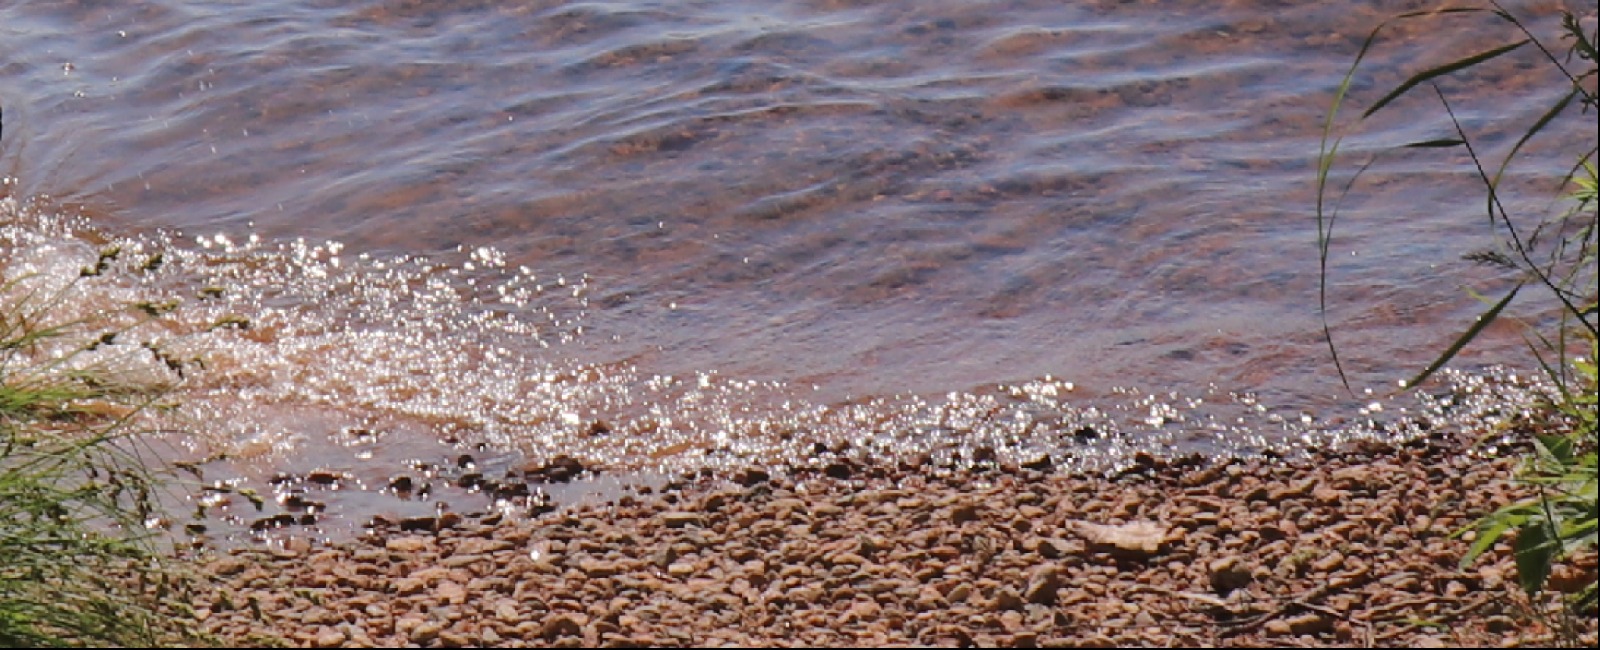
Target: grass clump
78,564
1554,257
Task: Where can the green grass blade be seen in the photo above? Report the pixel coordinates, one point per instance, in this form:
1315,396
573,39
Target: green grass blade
1439,71
1466,337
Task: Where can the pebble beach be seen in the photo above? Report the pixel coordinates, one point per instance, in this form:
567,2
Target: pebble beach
1347,547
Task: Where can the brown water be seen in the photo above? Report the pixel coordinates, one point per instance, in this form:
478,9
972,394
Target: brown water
741,227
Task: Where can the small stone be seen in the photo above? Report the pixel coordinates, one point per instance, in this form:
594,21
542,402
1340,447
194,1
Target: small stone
427,631
409,586
1328,563
560,469
1007,599
327,477
1043,585
598,568
406,544
448,520
964,513
846,558
1309,623
1228,574
450,592
680,519
506,612
227,566
480,546
1053,549
562,625
751,476
329,638
680,569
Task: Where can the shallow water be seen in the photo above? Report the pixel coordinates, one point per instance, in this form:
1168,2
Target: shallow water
704,233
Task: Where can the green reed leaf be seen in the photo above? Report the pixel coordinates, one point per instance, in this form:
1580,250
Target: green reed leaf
1439,71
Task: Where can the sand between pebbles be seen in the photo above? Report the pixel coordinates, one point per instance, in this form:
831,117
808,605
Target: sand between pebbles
1339,549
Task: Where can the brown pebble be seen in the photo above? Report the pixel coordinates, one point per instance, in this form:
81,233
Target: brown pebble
562,625
1043,585
329,638
227,566
426,631
406,544
1228,574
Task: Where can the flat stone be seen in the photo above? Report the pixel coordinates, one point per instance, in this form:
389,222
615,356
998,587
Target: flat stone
406,544
1137,539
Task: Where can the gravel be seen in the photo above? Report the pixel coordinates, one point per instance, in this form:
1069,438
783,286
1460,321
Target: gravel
1349,547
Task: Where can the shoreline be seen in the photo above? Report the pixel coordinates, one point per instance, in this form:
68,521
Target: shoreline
1344,547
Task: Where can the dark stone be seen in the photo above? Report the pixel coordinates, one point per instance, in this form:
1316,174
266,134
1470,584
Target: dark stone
419,524
560,469
751,476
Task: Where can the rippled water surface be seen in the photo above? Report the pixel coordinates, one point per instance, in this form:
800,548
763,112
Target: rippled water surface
640,231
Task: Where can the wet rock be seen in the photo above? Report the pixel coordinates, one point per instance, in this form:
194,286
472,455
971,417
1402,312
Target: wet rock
448,520
1040,463
839,469
406,544
419,524
751,476
560,469
327,477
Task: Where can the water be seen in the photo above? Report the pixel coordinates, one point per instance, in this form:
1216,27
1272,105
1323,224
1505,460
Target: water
687,233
